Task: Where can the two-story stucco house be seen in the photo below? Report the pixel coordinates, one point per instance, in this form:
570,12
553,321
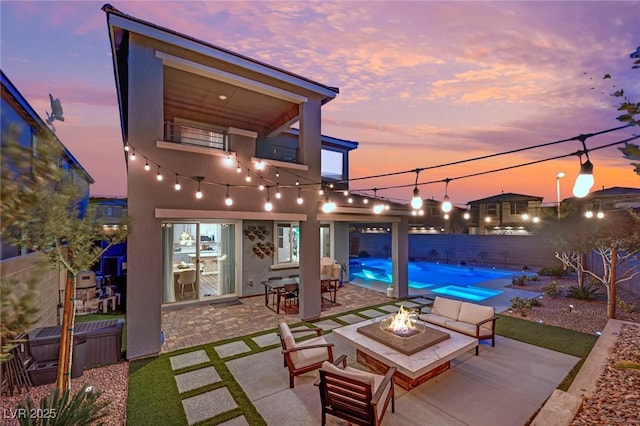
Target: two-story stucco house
508,213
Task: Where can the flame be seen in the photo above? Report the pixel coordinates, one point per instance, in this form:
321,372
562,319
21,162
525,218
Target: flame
401,322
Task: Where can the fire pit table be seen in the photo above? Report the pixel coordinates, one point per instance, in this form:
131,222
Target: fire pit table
419,356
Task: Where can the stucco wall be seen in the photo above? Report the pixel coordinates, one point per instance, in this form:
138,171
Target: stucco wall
493,250
48,283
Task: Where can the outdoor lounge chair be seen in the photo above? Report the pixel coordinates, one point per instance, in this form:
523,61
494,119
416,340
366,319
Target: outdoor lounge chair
304,356
356,396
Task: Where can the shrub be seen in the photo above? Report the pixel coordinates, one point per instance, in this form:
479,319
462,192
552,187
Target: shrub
521,305
534,278
519,280
627,308
363,253
81,408
553,271
589,291
552,290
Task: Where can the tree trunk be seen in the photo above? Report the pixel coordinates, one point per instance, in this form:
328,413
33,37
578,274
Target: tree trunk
580,269
66,335
613,277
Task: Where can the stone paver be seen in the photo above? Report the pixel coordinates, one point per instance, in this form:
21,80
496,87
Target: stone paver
408,304
422,300
236,421
188,359
231,349
208,405
372,313
390,308
266,340
196,379
327,324
351,318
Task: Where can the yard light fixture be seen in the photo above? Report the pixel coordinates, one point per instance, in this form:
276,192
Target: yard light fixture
228,201
177,186
416,201
446,204
559,176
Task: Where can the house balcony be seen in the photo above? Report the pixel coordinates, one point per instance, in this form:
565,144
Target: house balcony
194,135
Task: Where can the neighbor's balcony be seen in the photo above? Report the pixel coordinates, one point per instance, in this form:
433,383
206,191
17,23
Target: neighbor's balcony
195,136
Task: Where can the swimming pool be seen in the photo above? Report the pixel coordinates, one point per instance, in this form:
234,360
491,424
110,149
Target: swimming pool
452,280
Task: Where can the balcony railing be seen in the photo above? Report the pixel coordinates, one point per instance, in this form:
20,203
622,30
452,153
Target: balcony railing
192,135
279,152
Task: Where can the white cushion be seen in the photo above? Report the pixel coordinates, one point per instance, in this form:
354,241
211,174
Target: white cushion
377,378
446,307
351,373
434,319
462,327
307,357
472,313
287,336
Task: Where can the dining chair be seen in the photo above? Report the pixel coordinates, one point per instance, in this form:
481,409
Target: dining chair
187,278
275,293
290,293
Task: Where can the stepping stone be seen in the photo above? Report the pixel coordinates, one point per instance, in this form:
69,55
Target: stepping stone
371,313
189,359
327,324
266,340
208,405
408,304
390,308
351,318
196,379
236,421
231,349
303,327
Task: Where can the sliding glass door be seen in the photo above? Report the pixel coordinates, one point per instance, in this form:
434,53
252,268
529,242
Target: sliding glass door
199,260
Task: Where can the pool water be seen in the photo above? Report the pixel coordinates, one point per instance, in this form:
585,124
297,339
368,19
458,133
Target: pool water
452,280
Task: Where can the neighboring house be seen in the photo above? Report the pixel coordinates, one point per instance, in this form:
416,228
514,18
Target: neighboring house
604,200
208,119
110,212
435,221
18,262
512,214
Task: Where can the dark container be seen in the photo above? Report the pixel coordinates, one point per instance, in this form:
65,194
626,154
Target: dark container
44,372
104,342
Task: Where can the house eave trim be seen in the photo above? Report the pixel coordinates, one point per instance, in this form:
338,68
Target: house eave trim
227,214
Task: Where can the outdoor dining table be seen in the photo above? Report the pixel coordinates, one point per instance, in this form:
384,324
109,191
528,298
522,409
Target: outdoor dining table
328,284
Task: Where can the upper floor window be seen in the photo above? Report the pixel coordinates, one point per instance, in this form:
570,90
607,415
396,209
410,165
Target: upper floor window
107,211
492,209
519,207
196,133
332,164
435,211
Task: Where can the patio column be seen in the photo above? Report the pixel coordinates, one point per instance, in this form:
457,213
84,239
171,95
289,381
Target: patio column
310,145
400,257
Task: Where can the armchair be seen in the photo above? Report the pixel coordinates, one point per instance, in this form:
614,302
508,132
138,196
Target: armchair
357,396
302,357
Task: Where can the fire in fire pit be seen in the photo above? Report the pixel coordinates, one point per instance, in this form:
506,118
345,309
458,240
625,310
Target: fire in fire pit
402,324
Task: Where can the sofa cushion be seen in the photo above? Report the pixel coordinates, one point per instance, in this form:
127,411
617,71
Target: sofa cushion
287,336
462,327
472,313
446,307
434,319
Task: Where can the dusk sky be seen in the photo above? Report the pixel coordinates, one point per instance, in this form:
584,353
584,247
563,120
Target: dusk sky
421,83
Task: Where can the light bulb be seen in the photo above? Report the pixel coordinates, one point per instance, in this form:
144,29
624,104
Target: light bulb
350,200
321,192
228,201
132,157
584,182
589,214
261,186
365,201
177,186
260,165
466,215
299,200
147,167
159,176
600,215
126,147
278,173
446,204
487,219
378,208
268,206
238,168
345,192
525,216
278,194
416,201
446,216
536,219
228,161
199,194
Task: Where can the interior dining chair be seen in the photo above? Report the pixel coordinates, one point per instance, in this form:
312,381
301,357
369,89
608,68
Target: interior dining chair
290,294
274,292
187,278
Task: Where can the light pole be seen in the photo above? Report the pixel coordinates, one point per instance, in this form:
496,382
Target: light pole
559,176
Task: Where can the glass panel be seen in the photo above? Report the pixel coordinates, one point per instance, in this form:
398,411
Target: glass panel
288,236
332,164
325,241
227,259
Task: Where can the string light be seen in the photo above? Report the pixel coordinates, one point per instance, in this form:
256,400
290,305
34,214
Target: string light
345,192
297,182
259,165
277,173
248,177
228,201
446,204
177,186
261,186
159,176
416,201
126,148
132,157
584,181
278,194
238,168
199,192
228,161
300,200
377,206
147,167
